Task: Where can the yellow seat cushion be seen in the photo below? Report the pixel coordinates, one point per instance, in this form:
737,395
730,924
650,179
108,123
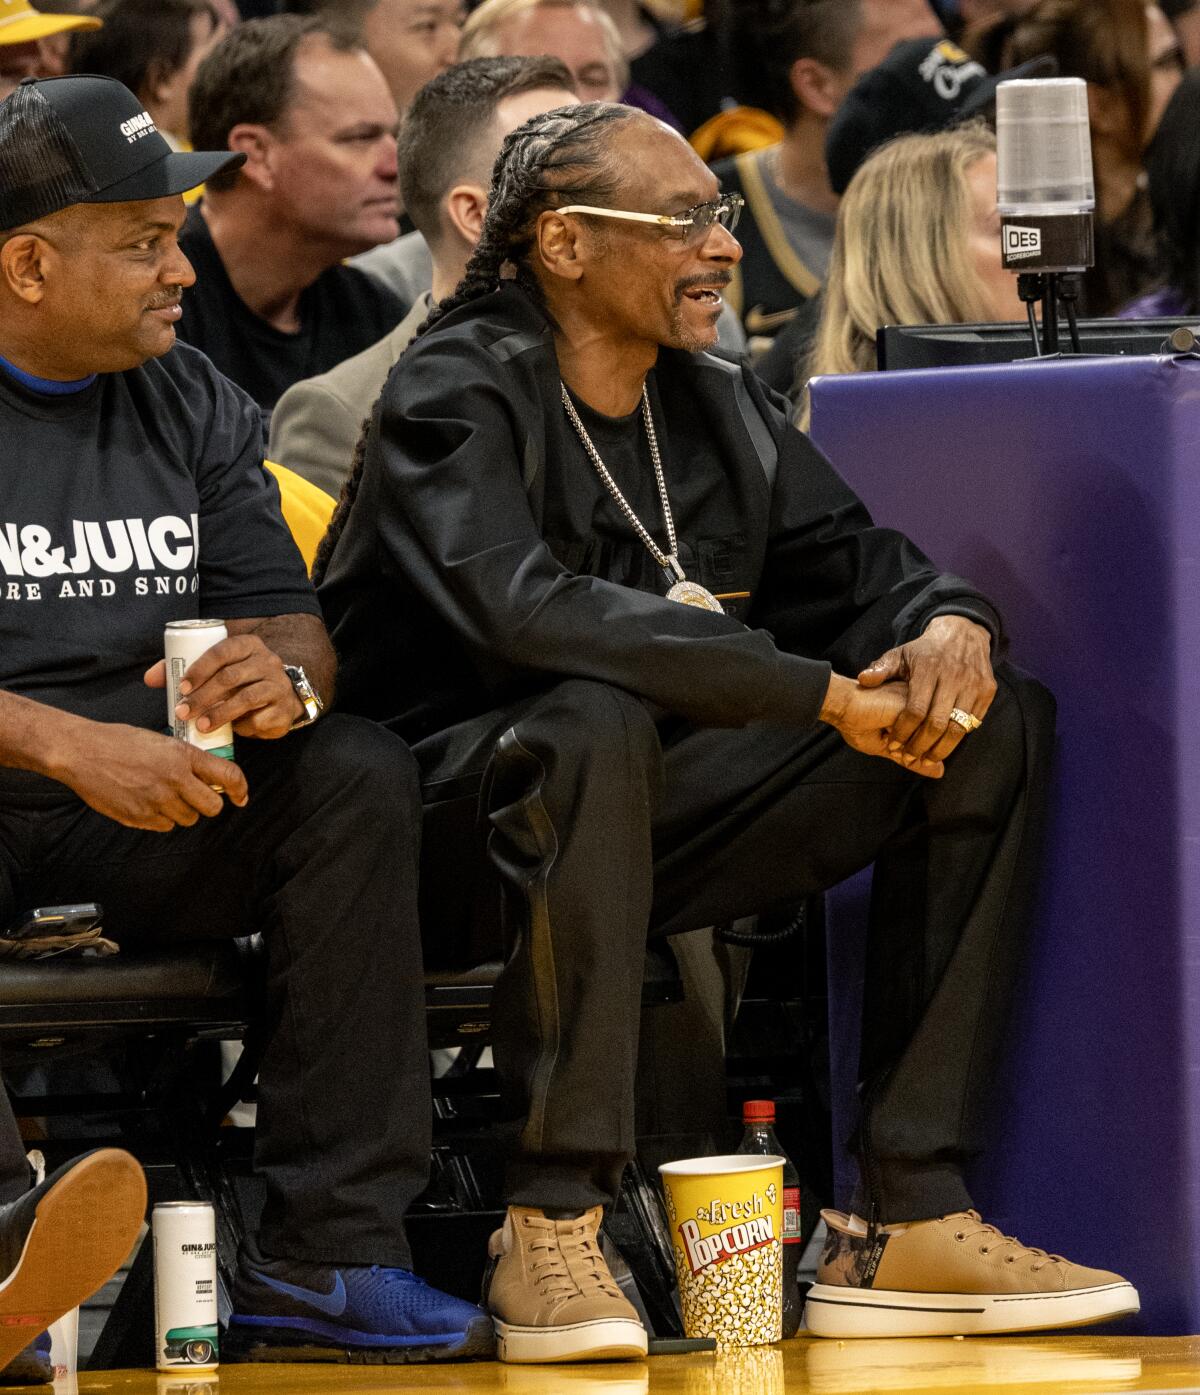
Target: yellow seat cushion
306,509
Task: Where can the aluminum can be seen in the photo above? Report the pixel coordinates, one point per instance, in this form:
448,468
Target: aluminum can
184,1235
183,643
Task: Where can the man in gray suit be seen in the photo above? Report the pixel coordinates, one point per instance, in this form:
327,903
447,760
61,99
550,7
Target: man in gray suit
450,140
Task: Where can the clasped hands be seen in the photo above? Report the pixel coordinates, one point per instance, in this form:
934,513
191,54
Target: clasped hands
899,708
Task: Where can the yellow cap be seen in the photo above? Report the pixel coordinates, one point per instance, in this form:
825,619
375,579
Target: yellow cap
20,23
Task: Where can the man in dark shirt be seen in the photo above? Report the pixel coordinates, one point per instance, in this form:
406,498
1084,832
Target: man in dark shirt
311,112
809,56
554,465
132,494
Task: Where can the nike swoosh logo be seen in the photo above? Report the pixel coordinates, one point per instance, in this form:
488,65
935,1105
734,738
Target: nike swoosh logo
759,322
332,1304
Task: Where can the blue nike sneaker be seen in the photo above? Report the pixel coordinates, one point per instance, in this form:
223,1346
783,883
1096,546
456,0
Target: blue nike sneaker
289,1310
31,1365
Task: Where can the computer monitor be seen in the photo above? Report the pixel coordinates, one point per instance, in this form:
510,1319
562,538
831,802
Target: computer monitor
950,346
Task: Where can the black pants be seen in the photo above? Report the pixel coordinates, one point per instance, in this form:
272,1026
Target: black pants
323,860
604,824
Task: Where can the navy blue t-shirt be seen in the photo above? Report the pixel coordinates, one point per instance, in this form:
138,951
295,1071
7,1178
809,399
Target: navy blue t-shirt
137,499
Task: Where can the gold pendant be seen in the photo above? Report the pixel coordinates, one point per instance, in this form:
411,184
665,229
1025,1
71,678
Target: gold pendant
688,593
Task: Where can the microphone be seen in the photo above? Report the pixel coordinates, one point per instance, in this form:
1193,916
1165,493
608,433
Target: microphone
1045,191
1046,196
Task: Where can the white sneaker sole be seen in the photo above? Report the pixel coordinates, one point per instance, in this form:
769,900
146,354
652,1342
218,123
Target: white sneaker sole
606,1339
833,1311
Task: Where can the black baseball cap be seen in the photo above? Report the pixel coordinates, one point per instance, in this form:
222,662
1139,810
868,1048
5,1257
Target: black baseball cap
918,87
88,139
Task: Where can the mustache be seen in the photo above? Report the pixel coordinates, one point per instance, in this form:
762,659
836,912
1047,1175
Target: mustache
718,279
167,301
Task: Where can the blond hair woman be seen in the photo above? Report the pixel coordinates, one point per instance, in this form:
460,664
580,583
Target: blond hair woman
917,242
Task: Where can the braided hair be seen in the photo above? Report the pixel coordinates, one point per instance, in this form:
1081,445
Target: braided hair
554,159
337,520
557,158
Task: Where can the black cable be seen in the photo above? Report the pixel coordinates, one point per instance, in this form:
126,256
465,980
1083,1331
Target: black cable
1031,287
1073,326
1050,314
1033,329
1068,293
754,939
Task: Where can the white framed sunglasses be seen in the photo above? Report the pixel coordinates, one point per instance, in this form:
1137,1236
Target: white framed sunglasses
691,223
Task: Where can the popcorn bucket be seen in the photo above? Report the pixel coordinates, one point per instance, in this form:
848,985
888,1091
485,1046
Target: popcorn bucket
726,1216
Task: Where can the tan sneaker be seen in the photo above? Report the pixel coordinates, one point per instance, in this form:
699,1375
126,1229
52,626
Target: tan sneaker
551,1295
951,1277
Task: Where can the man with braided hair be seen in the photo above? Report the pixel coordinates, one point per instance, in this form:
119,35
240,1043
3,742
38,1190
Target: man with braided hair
629,615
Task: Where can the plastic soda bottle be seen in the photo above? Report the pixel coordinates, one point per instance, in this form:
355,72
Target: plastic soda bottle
759,1137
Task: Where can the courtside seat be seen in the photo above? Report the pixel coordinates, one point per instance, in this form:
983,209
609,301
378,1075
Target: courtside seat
207,990
458,1003
204,989
306,509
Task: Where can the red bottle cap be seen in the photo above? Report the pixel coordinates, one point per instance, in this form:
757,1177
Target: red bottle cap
758,1112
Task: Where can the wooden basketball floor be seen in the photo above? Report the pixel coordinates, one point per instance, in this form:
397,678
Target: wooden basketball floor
1012,1366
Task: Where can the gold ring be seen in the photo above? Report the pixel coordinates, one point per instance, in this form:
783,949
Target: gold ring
967,720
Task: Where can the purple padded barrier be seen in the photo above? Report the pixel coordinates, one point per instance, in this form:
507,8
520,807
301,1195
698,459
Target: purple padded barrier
1070,493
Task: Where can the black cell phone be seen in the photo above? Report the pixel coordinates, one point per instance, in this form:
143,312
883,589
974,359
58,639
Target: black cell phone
54,920
680,1346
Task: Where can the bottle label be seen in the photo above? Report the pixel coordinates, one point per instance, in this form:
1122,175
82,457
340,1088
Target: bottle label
791,1216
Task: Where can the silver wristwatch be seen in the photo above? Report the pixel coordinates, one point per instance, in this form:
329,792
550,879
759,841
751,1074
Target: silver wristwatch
312,704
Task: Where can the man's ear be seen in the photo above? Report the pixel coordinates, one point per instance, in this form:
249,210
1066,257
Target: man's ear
158,80
817,87
23,266
257,144
559,245
466,208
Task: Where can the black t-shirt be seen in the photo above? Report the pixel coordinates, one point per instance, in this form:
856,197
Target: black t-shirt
343,312
138,500
608,544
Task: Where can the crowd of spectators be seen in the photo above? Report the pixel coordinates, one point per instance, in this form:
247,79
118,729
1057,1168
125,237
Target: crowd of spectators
384,165
770,92
785,98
